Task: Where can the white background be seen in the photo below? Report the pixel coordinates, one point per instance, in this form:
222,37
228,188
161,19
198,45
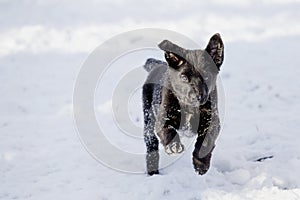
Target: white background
44,43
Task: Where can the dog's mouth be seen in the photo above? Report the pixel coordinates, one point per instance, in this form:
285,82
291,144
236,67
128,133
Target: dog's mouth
200,99
193,98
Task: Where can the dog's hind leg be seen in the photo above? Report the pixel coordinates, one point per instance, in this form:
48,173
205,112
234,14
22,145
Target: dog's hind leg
152,157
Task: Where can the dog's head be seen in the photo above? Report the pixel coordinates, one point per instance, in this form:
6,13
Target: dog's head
193,73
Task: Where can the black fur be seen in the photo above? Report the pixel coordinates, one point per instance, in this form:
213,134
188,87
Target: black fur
181,94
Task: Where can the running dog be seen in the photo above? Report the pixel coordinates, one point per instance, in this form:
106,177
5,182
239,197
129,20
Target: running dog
181,94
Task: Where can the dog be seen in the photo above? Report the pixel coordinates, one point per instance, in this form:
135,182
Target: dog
181,93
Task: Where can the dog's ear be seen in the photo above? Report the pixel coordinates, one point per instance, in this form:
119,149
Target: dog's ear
215,49
174,61
173,54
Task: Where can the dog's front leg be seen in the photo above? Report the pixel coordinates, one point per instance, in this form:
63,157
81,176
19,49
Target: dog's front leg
168,123
170,140
208,131
202,155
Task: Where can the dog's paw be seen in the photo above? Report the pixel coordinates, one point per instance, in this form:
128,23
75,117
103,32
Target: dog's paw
201,165
174,148
151,173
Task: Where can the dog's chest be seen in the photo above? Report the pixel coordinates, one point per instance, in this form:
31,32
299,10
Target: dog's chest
186,121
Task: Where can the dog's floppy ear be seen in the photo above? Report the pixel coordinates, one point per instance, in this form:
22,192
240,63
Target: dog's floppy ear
174,61
173,53
215,49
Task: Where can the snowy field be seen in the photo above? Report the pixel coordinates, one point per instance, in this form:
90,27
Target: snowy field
43,45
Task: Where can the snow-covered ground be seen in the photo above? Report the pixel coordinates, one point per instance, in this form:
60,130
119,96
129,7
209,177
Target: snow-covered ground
42,47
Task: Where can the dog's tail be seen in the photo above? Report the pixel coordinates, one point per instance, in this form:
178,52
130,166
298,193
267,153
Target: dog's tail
152,63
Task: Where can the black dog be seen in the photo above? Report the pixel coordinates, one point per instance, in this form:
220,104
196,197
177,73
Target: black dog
181,94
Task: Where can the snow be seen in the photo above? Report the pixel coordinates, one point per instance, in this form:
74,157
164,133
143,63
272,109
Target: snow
42,47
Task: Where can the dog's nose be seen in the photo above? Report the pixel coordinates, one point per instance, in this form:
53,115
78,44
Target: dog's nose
199,98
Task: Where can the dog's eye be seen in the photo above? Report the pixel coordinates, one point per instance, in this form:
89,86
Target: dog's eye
184,78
